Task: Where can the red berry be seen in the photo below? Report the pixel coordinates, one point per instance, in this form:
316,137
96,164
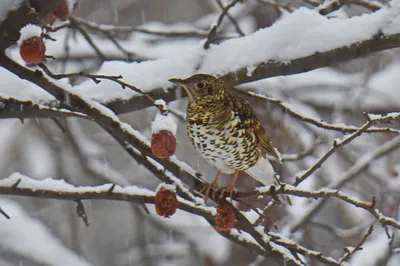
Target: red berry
62,10
163,144
32,50
165,202
225,219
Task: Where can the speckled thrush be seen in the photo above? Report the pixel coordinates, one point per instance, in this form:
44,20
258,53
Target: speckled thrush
225,130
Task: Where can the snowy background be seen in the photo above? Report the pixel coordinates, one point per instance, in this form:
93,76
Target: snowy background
152,41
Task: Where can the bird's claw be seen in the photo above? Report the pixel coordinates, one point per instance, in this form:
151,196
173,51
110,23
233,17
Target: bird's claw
210,187
224,192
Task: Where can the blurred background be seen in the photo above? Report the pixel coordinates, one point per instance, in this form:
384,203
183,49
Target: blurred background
49,232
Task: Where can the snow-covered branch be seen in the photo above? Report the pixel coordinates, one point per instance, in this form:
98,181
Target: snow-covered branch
285,189
361,164
20,185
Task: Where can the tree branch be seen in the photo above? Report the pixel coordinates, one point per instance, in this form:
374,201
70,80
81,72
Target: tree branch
361,164
273,68
19,185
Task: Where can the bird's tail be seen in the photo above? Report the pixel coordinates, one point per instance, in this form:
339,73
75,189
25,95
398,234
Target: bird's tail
263,172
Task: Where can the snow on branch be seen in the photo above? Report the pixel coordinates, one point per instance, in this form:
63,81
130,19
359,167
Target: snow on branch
267,53
243,60
285,189
21,185
361,164
15,108
97,79
126,29
321,124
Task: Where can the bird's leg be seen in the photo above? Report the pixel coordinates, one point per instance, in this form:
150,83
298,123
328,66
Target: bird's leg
213,185
232,185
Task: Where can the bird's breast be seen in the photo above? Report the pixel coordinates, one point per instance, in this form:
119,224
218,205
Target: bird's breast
227,145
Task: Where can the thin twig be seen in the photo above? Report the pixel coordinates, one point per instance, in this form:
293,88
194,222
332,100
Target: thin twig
101,192
318,123
336,5
301,155
4,213
335,146
232,19
88,38
15,108
213,32
124,29
97,79
128,55
360,165
277,5
349,253
285,189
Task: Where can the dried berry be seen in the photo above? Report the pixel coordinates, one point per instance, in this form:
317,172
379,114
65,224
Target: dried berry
32,50
225,219
163,144
62,10
165,202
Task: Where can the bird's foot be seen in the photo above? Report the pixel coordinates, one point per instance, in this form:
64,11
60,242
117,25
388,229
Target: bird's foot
220,192
210,188
227,191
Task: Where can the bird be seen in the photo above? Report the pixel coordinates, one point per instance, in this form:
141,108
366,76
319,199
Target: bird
225,130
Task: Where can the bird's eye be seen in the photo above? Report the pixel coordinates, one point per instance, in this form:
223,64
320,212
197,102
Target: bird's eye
201,85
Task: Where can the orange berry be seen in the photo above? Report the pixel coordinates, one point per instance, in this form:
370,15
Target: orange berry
165,202
32,50
163,144
225,219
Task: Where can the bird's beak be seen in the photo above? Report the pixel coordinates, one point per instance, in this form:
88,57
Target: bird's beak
176,81
182,83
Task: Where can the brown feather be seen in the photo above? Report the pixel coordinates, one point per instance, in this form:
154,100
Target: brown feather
252,124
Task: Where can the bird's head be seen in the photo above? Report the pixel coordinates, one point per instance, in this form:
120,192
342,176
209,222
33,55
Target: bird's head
201,86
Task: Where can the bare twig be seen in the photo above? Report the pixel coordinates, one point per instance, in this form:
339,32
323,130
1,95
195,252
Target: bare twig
357,247
213,32
301,155
360,165
97,79
88,38
344,129
276,5
232,19
296,248
122,29
321,194
336,145
128,55
15,108
73,193
4,213
313,2
336,5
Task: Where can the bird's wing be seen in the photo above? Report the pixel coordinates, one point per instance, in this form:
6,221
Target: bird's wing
246,113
